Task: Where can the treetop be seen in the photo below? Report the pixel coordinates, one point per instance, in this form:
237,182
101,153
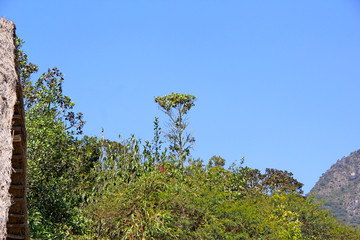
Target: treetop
176,99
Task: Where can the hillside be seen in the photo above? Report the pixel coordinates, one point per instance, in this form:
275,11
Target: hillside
340,188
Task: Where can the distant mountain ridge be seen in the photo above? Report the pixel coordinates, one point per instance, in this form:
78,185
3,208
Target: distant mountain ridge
340,188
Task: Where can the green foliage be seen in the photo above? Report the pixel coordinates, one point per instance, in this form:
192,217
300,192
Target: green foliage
180,102
57,161
206,202
276,180
176,106
216,161
26,68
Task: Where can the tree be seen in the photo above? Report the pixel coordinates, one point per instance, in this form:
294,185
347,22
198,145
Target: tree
216,161
177,106
57,160
280,181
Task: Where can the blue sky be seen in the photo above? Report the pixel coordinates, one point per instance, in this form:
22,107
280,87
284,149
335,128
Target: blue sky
277,82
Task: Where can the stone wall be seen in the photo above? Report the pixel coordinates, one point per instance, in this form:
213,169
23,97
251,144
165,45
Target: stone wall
8,80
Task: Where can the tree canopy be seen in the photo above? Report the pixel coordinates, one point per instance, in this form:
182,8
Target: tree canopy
177,106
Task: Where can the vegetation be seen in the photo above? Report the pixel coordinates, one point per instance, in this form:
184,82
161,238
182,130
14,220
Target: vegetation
57,160
84,187
176,106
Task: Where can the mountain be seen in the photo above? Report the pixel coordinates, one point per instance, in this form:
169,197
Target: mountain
339,187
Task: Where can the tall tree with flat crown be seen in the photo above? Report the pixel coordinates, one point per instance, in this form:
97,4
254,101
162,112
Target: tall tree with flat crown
177,106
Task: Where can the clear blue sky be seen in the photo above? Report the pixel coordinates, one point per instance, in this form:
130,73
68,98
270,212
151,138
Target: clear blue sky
277,82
